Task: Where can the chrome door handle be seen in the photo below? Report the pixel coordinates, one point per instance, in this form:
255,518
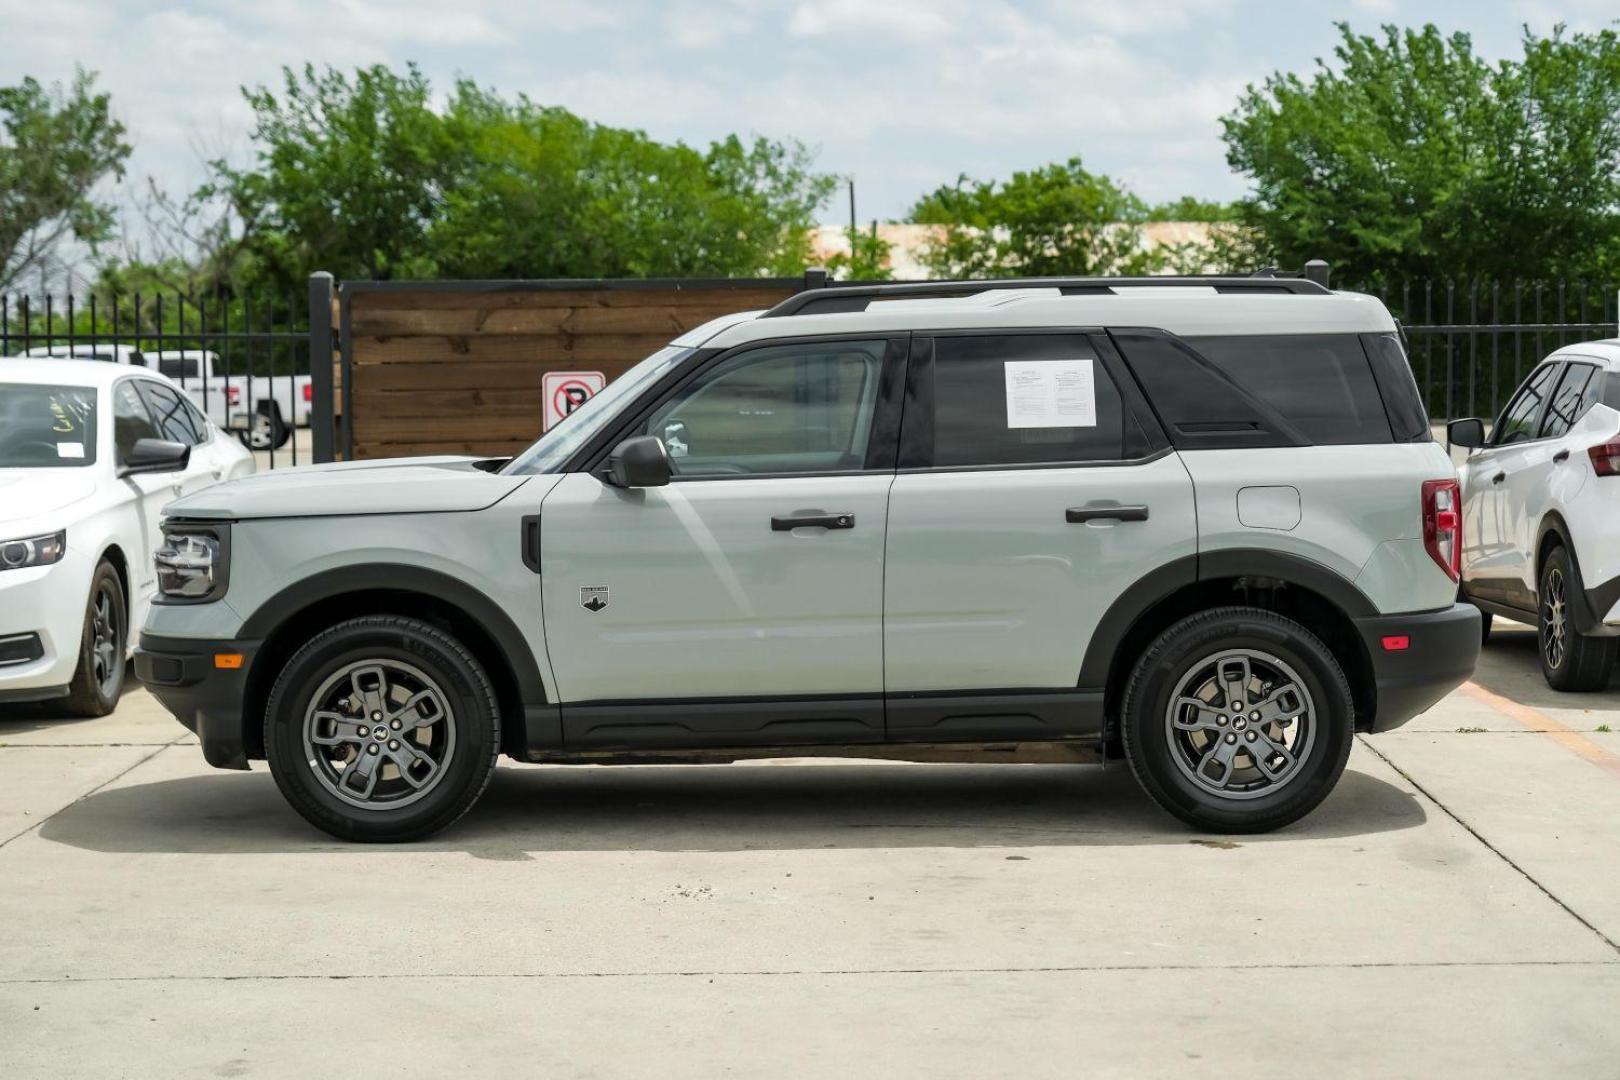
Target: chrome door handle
1560,457
809,519
1075,515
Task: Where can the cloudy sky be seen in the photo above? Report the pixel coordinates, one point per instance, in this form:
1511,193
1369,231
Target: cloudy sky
900,94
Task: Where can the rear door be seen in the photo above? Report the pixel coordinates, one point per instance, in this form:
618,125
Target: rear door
1034,488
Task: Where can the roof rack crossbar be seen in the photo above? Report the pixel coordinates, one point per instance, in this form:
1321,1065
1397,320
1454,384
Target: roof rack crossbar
838,296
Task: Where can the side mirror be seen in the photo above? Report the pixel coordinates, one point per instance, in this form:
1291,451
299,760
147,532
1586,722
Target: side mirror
155,456
639,461
1466,433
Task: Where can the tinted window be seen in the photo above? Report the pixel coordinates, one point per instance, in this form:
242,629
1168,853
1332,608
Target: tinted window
781,409
47,426
1519,418
131,421
1013,400
1577,391
1200,405
1403,405
173,413
178,367
1322,384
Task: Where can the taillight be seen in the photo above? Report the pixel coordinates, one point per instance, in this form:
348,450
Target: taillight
1605,459
309,392
1442,524
233,394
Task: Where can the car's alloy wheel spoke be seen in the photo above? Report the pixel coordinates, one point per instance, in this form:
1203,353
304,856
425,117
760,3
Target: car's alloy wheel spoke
379,734
1240,723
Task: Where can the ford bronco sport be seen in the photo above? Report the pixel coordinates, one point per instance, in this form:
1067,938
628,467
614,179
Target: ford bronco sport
1197,523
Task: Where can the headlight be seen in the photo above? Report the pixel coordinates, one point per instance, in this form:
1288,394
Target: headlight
32,551
193,564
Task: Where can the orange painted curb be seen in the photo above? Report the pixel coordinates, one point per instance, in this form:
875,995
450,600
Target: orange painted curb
1539,721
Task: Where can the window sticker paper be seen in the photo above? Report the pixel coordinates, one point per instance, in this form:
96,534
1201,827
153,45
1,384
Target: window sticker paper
69,450
1050,394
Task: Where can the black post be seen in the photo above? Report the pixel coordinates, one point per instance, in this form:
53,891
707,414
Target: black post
320,366
1317,270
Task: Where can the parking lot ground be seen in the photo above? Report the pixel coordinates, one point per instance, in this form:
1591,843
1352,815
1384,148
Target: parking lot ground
1450,910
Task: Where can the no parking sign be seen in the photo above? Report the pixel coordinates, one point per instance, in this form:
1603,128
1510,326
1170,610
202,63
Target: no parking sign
566,391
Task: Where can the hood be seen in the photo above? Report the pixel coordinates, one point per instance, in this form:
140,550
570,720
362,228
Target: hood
394,486
28,495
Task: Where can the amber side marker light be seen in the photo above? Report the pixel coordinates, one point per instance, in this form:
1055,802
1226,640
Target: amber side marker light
1397,643
230,661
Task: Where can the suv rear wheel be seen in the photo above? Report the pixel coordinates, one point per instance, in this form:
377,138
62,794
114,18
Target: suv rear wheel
382,729
1237,720
1569,659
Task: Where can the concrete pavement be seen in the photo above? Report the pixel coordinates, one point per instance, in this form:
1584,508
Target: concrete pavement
1449,911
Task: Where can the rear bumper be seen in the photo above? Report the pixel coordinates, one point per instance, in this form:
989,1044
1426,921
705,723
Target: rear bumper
1442,648
180,673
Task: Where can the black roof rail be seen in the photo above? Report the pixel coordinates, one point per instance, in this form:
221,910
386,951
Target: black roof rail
837,296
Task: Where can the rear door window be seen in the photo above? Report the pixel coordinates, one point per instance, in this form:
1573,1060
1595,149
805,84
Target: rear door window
1027,399
1577,391
1322,384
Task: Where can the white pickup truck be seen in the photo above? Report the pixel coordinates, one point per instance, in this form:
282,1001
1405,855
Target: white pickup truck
260,410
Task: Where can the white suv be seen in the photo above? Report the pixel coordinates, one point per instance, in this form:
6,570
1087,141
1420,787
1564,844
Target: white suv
1541,520
1200,523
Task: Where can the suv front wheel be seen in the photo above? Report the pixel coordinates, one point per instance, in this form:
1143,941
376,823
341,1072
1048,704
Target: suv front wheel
382,728
1237,720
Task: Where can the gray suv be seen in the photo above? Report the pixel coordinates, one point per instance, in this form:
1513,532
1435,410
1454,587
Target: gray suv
1200,524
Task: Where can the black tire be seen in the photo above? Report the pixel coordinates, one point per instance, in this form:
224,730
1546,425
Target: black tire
266,430
1190,646
471,725
1570,661
95,689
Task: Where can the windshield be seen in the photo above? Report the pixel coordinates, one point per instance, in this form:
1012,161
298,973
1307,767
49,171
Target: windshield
47,427
558,445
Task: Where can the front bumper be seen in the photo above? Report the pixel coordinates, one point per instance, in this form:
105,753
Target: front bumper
41,622
1441,650
208,700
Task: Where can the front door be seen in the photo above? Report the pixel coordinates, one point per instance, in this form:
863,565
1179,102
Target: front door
1030,497
742,604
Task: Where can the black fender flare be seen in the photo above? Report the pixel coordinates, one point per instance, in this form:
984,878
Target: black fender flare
1152,588
398,577
1587,603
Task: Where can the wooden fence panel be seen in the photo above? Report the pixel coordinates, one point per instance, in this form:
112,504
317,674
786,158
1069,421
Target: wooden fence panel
456,367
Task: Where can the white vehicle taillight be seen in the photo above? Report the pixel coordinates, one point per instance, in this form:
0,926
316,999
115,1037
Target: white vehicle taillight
233,395
1605,459
309,392
1442,524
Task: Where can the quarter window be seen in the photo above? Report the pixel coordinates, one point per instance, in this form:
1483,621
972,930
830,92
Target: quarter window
1320,383
781,409
1027,399
1518,423
1577,391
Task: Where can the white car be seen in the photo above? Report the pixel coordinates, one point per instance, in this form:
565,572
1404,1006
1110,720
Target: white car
1541,512
90,454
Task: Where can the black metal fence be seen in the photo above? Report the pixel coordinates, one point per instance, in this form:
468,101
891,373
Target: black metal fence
1472,342
242,359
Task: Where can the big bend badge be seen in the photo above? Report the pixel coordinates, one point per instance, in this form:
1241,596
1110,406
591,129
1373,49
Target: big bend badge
593,598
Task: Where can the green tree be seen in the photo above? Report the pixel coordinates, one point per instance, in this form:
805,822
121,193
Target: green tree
1191,208
1412,156
1058,219
56,146
366,178
348,175
541,192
